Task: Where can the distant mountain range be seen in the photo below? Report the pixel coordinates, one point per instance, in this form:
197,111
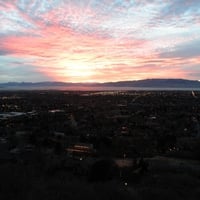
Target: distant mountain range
147,83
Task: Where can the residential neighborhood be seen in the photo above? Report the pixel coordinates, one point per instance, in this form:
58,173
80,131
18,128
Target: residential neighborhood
132,139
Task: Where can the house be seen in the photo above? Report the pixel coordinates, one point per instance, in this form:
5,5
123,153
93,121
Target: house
81,150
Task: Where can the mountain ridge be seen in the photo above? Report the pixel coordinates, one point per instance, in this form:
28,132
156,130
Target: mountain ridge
146,83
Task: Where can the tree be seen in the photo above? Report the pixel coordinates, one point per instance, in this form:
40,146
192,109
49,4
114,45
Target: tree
103,170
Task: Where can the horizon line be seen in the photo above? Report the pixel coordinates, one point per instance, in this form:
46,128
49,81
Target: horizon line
48,81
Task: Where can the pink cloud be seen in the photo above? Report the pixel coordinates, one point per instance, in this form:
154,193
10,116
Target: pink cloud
58,50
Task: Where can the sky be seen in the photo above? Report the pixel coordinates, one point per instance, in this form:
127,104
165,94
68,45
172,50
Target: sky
99,40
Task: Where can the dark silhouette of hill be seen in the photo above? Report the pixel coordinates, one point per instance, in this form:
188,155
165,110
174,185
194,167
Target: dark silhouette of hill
146,83
160,83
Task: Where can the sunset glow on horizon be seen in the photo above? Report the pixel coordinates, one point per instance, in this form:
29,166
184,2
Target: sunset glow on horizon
99,40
